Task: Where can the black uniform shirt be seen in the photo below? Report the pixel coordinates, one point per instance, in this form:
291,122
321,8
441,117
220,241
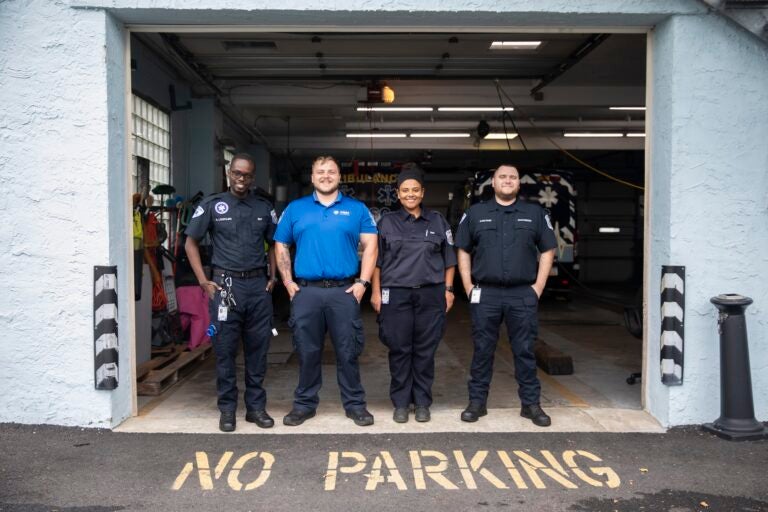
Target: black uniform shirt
414,251
238,229
505,241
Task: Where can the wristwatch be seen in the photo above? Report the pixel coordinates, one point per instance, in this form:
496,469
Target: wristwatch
449,289
363,282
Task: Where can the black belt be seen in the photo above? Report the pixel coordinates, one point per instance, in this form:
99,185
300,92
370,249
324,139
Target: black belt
482,284
245,274
427,285
327,283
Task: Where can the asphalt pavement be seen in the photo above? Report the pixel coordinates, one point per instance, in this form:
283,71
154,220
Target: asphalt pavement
45,468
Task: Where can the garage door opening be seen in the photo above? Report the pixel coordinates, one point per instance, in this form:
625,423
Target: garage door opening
567,109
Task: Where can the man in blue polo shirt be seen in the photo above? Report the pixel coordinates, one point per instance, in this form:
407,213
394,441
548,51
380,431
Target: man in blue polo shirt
326,227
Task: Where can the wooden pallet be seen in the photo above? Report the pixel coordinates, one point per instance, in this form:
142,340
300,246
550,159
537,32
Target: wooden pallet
168,370
159,360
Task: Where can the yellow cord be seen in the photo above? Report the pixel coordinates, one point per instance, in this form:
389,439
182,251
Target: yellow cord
582,162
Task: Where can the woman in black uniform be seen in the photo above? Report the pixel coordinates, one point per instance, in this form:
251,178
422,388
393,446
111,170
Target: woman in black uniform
416,260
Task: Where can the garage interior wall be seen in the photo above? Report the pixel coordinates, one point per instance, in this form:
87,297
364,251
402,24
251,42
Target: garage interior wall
708,126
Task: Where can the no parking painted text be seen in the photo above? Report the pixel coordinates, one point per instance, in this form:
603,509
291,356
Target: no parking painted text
412,470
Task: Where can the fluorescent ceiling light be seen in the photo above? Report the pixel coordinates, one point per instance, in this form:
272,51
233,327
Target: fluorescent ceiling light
626,108
439,135
635,135
592,134
376,135
609,230
395,109
474,109
515,45
500,136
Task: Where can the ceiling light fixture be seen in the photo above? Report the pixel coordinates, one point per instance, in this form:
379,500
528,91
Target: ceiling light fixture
592,134
380,93
626,108
455,135
515,45
395,109
376,135
501,136
609,229
475,109
635,135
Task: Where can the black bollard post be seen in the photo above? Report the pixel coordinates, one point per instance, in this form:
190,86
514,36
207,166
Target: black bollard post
737,411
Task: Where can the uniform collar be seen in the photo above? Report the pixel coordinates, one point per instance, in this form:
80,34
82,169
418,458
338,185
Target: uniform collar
494,206
404,215
235,198
339,197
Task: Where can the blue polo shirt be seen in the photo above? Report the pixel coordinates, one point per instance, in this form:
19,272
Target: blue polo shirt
326,237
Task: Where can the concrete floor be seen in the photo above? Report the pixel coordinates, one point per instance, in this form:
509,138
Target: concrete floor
596,398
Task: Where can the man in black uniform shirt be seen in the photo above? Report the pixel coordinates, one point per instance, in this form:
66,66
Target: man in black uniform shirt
239,222
499,242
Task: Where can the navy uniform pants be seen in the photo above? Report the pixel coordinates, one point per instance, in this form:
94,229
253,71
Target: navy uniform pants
315,311
251,322
411,324
516,306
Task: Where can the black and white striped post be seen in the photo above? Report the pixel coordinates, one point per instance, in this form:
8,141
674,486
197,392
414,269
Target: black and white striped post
672,324
105,349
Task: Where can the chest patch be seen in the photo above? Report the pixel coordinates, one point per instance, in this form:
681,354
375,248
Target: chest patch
221,207
524,220
485,220
341,212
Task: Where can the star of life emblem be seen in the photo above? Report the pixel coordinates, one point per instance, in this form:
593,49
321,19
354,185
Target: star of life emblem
387,195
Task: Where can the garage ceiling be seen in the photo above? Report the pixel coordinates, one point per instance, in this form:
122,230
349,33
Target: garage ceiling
300,92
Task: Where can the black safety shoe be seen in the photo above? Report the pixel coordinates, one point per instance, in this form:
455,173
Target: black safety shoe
422,413
473,412
260,418
297,417
361,417
227,421
400,415
536,415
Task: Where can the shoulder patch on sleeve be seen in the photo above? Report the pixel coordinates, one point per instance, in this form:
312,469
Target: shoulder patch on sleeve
549,222
464,216
449,236
273,214
198,212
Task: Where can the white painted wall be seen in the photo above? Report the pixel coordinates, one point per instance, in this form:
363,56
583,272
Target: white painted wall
708,201
56,166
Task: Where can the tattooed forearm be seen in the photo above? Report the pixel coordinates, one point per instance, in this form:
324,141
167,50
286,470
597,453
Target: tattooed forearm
283,261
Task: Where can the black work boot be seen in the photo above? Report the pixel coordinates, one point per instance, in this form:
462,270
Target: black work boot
422,413
227,421
361,417
473,412
260,418
297,416
400,415
535,413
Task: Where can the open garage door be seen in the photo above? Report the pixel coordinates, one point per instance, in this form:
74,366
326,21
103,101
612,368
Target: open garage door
566,108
